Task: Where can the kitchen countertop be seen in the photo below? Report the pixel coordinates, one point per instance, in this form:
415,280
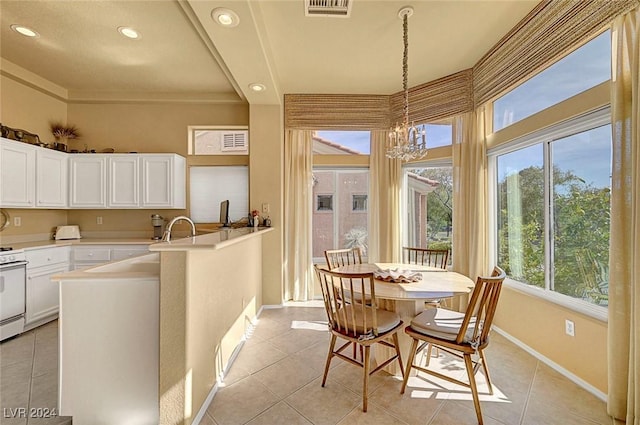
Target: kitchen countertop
215,240
85,241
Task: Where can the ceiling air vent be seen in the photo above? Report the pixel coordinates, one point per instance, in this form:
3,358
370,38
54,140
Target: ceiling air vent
328,8
234,141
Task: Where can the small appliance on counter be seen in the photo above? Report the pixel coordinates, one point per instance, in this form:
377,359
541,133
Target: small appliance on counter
158,222
67,232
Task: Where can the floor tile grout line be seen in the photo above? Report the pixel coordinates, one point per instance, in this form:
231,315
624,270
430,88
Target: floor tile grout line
523,414
33,363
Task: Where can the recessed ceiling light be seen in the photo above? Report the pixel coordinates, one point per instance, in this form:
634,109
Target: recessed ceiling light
129,32
257,87
225,17
27,32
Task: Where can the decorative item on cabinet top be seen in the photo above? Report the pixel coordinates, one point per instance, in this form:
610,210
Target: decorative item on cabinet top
20,135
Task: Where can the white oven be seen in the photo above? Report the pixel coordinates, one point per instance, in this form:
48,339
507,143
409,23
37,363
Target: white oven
13,277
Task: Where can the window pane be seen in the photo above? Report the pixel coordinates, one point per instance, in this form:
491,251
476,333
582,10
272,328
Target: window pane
439,135
581,194
341,227
359,203
429,194
208,186
325,203
521,215
342,142
582,69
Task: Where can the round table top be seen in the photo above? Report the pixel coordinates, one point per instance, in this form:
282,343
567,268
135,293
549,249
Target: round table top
435,284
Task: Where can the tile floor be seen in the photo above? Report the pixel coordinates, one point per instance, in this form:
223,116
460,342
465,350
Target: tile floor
276,380
29,378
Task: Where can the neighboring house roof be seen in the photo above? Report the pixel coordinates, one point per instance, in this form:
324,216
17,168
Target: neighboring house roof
421,184
324,146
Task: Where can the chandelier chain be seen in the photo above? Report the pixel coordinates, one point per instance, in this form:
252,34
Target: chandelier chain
406,142
405,67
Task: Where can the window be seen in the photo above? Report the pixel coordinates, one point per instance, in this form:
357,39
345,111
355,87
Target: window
210,185
439,135
428,193
555,186
359,203
580,70
342,225
342,142
325,203
211,140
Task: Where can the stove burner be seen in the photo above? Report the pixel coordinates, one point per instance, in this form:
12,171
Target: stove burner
5,248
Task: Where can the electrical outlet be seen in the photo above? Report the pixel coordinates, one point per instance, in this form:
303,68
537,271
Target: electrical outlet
98,220
569,328
265,208
17,221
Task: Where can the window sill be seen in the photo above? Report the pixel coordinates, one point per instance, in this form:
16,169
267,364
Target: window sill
579,306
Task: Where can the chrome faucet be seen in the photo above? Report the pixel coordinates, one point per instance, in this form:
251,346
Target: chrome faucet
166,237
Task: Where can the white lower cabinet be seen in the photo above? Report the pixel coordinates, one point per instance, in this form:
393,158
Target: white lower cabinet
83,257
42,295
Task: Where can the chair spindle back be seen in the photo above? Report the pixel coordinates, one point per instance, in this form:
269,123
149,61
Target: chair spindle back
426,256
343,257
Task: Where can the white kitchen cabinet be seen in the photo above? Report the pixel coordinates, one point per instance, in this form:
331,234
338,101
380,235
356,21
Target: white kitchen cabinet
86,256
163,181
51,178
17,174
124,181
87,181
42,296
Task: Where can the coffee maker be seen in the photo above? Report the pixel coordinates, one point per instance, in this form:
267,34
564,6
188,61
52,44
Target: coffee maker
158,222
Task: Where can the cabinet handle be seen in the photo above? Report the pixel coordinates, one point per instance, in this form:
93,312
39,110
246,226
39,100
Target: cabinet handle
91,254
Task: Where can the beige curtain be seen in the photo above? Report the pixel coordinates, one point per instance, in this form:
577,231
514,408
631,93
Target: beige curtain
298,205
470,194
624,260
385,176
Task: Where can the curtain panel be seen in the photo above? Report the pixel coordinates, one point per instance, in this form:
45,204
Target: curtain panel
470,233
624,259
385,178
298,206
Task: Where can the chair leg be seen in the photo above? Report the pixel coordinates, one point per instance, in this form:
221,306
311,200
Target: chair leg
396,344
474,388
429,348
365,383
332,346
407,370
485,366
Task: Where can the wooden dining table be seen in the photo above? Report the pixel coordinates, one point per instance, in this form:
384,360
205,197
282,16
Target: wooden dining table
408,299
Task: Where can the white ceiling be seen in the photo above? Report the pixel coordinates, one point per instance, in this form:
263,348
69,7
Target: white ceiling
184,54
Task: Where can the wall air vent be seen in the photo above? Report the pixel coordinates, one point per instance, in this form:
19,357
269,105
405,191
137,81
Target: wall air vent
328,8
233,141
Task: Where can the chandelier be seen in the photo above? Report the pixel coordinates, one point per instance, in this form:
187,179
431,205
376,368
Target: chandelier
406,141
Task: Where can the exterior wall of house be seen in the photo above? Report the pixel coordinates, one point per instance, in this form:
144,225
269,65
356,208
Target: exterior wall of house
331,227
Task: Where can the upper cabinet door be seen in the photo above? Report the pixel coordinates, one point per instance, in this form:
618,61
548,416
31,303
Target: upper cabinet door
17,174
163,181
51,179
124,181
88,181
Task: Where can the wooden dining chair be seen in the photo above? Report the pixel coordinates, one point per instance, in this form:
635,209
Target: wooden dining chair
427,257
363,324
460,334
343,257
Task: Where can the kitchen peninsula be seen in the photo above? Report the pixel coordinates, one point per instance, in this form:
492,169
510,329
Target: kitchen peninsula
210,290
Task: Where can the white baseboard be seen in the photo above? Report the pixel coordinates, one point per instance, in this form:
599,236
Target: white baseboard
232,359
555,366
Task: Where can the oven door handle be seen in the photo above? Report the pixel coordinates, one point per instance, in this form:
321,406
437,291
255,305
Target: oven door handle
9,266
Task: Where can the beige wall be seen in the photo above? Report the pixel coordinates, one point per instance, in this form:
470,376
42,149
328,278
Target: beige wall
27,108
34,221
540,324
266,168
208,299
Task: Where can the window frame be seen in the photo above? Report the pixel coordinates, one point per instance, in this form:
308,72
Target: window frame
582,123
